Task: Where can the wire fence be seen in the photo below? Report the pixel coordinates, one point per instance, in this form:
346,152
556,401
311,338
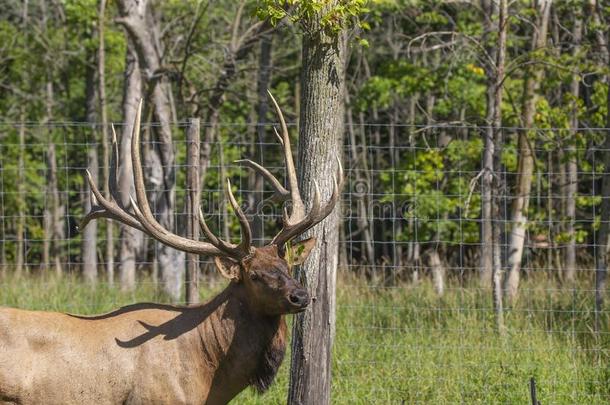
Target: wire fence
414,322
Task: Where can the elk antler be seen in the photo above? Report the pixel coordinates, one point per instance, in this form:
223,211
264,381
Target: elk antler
143,218
298,221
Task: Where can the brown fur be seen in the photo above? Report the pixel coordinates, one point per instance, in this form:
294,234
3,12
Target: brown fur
153,353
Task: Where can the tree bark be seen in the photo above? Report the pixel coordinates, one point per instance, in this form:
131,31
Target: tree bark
438,271
19,236
51,207
571,187
263,82
491,259
52,218
143,28
497,225
101,73
89,241
320,141
132,240
491,10
603,248
193,200
525,163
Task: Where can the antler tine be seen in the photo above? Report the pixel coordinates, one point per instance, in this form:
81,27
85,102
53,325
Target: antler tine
298,208
145,216
297,221
316,213
246,232
241,250
206,231
280,194
142,218
114,169
290,231
103,208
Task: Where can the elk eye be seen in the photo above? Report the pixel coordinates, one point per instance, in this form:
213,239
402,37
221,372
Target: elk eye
254,276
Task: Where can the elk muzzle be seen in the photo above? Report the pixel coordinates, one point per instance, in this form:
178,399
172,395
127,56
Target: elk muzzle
298,299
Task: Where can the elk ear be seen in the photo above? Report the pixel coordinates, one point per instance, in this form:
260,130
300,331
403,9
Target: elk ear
229,268
297,253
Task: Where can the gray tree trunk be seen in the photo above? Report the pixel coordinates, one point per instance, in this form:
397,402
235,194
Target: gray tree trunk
320,141
572,167
438,271
101,72
192,204
490,216
89,241
526,158
264,79
603,250
52,216
19,236
497,228
143,28
132,240
486,265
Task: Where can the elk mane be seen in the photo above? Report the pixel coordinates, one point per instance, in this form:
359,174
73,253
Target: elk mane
271,358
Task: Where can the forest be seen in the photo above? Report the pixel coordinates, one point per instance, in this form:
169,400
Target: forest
475,143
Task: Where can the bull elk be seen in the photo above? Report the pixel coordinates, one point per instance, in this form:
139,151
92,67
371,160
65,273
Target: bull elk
152,353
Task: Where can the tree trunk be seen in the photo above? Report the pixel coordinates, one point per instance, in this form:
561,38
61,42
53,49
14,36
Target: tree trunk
55,223
438,271
525,163
572,167
497,225
192,204
320,142
89,241
52,216
19,236
143,28
397,220
413,248
486,266
362,192
603,250
101,72
491,258
132,240
263,82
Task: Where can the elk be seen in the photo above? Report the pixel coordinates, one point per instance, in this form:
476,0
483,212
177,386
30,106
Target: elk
151,353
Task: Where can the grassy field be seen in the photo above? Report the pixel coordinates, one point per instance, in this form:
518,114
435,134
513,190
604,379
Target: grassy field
406,345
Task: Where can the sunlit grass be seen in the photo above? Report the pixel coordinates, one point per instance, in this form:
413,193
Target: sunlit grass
403,343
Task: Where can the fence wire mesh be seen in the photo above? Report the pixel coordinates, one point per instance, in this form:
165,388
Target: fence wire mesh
415,324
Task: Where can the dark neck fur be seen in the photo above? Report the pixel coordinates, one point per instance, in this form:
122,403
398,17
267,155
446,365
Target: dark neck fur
229,344
272,355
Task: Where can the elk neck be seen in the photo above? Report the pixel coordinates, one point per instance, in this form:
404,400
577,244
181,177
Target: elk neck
243,346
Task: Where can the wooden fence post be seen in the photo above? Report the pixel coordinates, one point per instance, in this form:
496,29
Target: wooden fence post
193,197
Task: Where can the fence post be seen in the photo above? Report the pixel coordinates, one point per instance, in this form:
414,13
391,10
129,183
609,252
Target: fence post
193,196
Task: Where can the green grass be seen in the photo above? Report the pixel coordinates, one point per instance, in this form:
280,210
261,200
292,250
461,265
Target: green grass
406,344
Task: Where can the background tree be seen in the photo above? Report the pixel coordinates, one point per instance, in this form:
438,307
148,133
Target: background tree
526,157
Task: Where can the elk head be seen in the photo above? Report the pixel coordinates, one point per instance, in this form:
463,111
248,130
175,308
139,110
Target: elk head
264,272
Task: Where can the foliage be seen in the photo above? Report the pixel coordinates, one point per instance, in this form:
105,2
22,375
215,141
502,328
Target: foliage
330,16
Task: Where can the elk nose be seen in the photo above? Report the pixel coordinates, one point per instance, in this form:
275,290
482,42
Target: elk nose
299,298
